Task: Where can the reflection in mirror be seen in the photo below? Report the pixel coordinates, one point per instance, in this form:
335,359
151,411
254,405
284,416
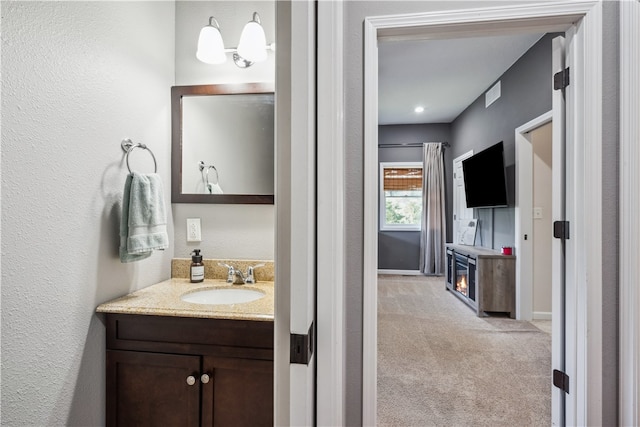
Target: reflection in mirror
230,134
223,149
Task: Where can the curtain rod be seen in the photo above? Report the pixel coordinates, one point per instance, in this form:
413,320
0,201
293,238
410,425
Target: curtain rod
412,145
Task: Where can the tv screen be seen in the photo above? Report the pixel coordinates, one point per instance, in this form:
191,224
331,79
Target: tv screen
484,178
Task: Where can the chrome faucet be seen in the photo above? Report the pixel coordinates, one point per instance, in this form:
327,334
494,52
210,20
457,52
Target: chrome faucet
237,277
231,272
250,277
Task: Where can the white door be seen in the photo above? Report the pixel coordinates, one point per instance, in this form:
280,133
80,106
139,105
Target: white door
295,202
563,327
460,209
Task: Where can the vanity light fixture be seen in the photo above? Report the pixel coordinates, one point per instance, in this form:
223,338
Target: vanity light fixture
252,46
210,45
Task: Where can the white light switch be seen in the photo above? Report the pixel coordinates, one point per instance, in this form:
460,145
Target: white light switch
537,213
194,232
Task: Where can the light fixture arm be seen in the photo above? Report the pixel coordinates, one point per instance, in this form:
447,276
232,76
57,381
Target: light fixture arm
212,19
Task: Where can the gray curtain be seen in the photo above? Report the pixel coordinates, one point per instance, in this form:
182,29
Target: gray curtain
433,232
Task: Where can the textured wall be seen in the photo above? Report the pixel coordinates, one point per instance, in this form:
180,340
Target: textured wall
76,78
228,231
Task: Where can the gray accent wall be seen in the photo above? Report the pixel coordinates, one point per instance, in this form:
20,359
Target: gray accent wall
525,94
400,250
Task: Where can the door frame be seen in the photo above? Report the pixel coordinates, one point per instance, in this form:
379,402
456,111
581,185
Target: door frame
295,205
586,182
524,216
297,68
331,333
629,248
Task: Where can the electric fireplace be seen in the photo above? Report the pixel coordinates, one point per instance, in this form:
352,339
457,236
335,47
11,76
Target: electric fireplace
461,276
465,275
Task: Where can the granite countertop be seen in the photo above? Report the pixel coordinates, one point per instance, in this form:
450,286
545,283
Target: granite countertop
163,299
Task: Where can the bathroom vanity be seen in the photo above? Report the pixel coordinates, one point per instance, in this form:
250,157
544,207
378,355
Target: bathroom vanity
171,362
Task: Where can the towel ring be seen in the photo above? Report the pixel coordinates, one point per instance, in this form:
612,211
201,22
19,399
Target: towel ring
128,146
202,166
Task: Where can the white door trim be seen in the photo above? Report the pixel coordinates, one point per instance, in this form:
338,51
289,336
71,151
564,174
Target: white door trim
524,216
330,236
295,202
629,208
370,229
587,179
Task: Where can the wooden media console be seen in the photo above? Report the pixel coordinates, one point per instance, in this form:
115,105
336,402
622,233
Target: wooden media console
482,278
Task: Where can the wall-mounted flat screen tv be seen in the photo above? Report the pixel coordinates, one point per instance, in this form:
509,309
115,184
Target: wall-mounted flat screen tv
485,178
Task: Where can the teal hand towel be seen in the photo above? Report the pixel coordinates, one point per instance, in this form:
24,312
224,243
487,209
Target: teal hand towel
143,225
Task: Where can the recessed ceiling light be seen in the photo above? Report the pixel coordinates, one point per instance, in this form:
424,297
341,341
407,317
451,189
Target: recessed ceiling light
419,109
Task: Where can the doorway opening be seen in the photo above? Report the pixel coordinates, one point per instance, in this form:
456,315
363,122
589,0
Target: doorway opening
585,199
461,268
534,155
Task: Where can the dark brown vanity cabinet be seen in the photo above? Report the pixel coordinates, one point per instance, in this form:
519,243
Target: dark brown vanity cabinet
170,371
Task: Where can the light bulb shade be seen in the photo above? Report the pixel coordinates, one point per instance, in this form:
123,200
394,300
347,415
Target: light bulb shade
253,43
210,46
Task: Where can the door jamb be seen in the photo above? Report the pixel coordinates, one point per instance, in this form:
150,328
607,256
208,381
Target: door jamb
331,347
629,248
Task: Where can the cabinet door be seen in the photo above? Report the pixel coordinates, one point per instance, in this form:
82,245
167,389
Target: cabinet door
240,392
151,389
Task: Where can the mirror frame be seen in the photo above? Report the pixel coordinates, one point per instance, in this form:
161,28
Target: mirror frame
177,93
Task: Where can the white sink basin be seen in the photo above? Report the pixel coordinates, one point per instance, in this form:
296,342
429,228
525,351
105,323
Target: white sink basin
222,296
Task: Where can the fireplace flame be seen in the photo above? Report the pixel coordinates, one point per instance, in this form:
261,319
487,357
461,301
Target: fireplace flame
461,285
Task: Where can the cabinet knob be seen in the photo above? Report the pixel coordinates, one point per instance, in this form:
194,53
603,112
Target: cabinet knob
191,380
205,378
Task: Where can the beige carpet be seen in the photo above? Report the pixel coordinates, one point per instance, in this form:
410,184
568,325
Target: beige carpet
441,365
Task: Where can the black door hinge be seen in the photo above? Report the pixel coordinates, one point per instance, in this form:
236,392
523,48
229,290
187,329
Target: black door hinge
302,347
561,380
561,229
561,79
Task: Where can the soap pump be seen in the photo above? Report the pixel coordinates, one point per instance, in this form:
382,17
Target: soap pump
197,267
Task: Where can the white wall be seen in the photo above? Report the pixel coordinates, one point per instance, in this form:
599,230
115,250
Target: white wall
228,231
542,145
76,79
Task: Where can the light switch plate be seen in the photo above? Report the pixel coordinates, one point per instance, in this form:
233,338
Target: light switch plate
194,231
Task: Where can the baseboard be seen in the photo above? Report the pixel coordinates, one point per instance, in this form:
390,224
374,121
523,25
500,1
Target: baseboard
401,272
541,315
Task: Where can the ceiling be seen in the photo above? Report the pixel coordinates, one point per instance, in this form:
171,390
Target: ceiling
443,76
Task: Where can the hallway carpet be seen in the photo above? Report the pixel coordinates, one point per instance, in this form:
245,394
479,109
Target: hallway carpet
441,365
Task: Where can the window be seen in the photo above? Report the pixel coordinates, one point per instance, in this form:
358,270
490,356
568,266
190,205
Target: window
400,196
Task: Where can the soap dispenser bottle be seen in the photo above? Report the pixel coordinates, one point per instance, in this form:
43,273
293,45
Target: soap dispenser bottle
197,267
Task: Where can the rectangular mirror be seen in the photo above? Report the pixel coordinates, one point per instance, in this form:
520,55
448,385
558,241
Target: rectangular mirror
222,144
